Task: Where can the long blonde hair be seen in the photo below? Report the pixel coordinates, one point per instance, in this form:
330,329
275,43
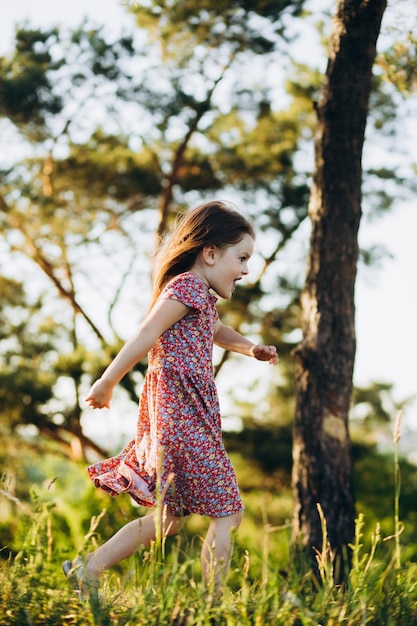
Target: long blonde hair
210,224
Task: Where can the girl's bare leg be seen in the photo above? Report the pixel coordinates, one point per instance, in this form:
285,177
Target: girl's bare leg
216,554
139,532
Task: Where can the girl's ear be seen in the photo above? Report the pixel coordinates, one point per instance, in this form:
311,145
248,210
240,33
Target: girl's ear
209,254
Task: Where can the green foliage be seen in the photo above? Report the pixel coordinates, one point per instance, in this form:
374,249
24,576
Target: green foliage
98,182
398,63
50,511
26,92
28,354
215,24
375,487
32,370
162,584
92,166
268,445
374,403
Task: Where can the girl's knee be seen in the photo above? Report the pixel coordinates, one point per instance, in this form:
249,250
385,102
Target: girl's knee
172,523
175,526
229,521
237,519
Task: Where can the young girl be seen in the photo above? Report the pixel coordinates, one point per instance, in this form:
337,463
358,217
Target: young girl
177,459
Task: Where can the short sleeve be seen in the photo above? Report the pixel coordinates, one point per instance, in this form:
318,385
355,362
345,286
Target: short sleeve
190,290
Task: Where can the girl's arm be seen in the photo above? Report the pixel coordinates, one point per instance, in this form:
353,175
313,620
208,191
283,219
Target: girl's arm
164,314
230,339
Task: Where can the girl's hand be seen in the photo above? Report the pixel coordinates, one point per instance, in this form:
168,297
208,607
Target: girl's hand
265,353
100,395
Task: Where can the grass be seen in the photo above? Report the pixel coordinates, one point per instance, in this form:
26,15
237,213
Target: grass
162,585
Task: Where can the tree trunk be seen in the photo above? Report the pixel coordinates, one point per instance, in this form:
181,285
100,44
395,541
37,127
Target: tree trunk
325,357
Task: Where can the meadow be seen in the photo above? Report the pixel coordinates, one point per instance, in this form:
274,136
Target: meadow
162,585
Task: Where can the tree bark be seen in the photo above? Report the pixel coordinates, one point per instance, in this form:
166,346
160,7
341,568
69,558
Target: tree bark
325,357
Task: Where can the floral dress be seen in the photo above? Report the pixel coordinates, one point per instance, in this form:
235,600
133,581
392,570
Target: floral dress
178,457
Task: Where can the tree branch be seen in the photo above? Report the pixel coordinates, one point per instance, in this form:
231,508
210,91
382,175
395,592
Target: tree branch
32,250
167,193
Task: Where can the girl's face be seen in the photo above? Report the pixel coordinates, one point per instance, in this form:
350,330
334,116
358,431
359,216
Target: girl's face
228,265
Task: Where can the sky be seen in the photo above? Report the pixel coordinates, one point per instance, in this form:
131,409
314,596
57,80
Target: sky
386,297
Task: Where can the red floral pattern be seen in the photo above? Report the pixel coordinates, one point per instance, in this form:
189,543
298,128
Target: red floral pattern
178,457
